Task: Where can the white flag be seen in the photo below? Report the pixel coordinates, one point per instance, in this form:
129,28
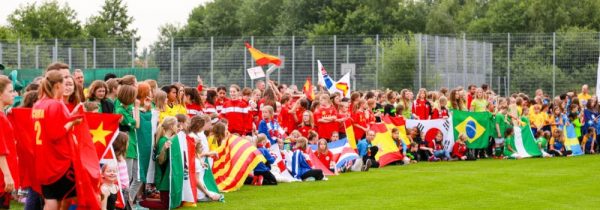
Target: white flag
598,79
256,72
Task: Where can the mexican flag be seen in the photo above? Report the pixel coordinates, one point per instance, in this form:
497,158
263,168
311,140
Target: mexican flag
475,125
524,142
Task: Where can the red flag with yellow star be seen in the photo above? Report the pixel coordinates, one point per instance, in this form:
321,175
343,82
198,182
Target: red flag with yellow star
104,129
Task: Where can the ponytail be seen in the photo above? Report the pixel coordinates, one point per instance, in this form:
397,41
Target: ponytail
47,84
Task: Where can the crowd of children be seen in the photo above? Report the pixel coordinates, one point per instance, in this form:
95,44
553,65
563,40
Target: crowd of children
271,114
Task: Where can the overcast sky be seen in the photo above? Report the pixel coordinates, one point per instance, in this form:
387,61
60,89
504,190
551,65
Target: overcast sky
148,14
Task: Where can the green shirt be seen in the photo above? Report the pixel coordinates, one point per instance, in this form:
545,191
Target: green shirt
577,125
509,141
479,105
128,121
502,124
543,142
407,111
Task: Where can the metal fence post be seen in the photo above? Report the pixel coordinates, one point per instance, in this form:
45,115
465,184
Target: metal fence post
132,52
334,57
252,44
70,58
173,60
464,50
55,58
279,72
507,81
18,53
312,65
85,66
377,61
178,64
114,58
553,63
420,60
437,59
446,61
245,66
37,56
347,53
94,54
1,52
293,60
212,62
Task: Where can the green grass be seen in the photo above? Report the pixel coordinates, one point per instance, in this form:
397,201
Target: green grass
553,183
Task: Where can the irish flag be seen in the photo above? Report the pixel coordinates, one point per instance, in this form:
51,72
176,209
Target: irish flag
262,59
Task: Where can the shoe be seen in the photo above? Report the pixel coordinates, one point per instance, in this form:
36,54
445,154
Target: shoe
367,165
309,179
257,180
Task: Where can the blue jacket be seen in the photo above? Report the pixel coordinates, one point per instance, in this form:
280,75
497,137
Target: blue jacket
264,129
262,167
363,147
299,165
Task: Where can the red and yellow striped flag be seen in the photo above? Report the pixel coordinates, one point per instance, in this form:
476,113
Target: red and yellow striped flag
350,133
308,90
400,123
237,157
262,59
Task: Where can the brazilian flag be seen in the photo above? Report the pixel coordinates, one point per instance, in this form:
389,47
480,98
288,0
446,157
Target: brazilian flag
476,125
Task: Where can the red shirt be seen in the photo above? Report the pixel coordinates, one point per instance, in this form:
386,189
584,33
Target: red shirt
287,119
219,103
358,118
325,158
209,108
438,114
459,150
238,119
325,129
469,100
341,124
8,148
422,109
52,150
194,110
435,145
305,130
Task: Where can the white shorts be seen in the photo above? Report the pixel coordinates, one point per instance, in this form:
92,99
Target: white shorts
499,140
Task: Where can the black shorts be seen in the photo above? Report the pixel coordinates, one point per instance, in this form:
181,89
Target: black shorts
62,189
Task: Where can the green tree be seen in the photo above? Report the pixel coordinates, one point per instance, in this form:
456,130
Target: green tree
259,17
399,63
46,21
112,22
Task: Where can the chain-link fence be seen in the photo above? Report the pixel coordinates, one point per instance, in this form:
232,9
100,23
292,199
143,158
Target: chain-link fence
554,62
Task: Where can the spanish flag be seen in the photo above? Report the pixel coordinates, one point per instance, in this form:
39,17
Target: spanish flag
400,123
307,89
350,133
262,59
388,151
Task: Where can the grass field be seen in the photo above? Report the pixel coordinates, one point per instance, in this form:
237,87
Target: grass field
553,183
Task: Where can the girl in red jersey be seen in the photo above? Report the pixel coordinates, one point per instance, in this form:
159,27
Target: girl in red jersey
324,155
235,110
209,104
360,118
307,123
421,107
8,155
326,117
52,122
193,102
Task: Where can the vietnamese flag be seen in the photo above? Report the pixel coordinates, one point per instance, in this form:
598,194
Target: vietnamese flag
308,90
85,165
262,59
388,151
104,129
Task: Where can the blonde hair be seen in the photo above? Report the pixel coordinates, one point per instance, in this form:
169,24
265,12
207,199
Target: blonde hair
301,143
261,137
167,123
319,148
159,100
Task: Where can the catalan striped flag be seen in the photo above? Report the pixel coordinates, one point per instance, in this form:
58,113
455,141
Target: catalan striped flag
388,151
262,59
237,157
